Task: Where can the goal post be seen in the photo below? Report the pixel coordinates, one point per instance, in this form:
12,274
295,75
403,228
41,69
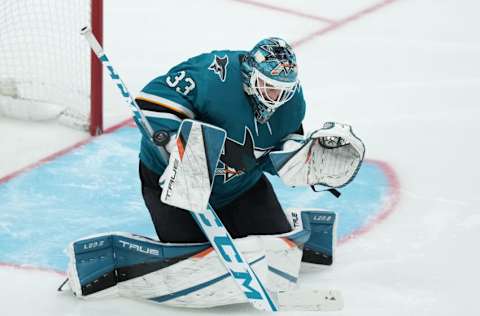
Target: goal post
96,72
47,72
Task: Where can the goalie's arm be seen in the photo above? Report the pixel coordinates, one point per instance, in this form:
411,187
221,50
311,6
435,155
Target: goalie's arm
164,121
297,136
165,102
165,124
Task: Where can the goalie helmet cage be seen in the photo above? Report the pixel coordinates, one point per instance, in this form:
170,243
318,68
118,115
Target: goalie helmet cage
47,70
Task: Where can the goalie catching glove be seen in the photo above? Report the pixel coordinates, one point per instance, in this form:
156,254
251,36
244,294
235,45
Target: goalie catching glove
330,156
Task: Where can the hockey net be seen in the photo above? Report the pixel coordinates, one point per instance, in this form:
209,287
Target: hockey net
46,69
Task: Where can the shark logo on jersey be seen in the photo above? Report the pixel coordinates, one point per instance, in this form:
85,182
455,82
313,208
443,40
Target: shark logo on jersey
219,66
238,158
227,172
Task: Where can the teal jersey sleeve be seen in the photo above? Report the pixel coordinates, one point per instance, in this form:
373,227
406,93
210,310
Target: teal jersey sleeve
268,167
168,99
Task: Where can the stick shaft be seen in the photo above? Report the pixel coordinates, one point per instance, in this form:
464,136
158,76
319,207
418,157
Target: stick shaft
138,116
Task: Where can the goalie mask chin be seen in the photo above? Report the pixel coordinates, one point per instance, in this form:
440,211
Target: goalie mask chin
269,73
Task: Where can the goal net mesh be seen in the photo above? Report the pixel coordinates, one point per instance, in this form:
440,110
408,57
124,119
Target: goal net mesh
44,62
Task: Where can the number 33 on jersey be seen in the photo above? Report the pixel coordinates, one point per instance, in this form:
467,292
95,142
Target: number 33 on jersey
181,83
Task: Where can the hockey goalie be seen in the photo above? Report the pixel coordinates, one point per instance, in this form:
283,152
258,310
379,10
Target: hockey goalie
224,118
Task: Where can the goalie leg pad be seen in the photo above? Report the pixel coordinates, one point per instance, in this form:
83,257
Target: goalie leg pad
122,264
284,254
203,282
197,282
322,225
98,263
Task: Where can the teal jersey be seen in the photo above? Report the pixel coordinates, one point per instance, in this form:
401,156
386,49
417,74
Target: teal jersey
209,88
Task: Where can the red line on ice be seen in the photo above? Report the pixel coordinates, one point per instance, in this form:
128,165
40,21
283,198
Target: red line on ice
342,22
390,203
287,11
30,268
61,152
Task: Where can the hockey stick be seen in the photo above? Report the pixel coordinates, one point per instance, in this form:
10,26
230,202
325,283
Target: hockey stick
208,221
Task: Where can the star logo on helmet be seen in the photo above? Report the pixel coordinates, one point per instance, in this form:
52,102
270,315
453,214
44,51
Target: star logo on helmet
282,54
286,67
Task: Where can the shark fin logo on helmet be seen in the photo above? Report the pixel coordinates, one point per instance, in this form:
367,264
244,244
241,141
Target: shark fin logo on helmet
219,66
280,52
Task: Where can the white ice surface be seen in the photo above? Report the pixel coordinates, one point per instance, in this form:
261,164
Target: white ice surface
407,77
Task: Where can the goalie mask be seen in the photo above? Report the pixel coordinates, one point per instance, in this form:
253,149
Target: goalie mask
269,73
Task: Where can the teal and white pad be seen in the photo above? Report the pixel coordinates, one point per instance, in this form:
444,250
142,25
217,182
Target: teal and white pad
98,263
189,176
322,224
